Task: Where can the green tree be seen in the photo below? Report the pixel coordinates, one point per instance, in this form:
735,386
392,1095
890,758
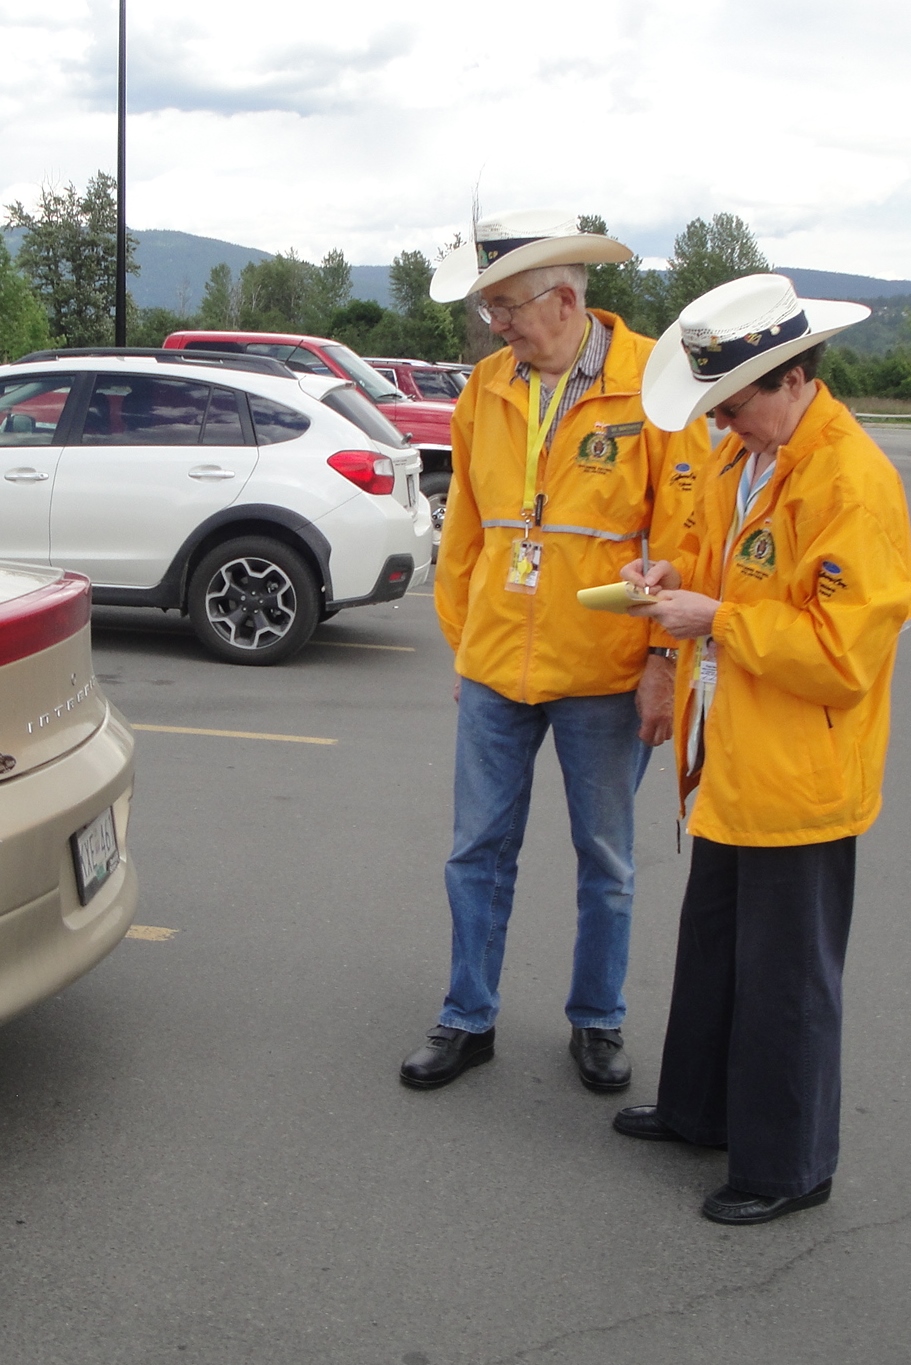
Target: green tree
622,287
68,254
354,323
709,254
23,321
334,283
150,326
409,282
220,307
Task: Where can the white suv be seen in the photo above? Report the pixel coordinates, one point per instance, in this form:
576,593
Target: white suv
228,487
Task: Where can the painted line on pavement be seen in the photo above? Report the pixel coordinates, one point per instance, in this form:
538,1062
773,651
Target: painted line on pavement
150,932
351,644
232,734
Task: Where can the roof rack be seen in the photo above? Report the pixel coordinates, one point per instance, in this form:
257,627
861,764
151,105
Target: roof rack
228,360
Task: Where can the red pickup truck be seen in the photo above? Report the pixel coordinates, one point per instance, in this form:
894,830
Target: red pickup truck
425,424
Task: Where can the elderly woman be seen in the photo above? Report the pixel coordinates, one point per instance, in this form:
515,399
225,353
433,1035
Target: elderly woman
787,598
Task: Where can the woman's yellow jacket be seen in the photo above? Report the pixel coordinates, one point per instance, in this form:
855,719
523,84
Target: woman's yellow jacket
813,593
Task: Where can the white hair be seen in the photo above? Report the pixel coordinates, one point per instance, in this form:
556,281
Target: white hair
549,276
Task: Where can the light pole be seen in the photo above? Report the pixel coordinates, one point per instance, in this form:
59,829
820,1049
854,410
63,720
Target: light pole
120,286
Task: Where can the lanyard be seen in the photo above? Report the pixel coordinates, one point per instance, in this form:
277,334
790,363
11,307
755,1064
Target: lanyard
537,430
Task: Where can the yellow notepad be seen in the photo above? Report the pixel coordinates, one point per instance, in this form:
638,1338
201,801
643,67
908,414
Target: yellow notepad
616,597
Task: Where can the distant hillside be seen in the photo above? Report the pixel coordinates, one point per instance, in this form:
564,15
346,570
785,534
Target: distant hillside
174,268
829,284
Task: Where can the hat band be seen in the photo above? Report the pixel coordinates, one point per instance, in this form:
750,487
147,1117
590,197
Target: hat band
491,251
718,358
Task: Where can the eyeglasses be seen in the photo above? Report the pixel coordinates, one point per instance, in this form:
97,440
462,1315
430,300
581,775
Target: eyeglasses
729,411
501,313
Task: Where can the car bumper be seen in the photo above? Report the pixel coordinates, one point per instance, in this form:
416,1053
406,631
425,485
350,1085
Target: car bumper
47,937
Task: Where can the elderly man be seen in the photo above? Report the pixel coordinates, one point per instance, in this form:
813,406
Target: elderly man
556,473
787,596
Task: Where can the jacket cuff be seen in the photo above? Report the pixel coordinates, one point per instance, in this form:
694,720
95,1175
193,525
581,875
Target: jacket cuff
721,618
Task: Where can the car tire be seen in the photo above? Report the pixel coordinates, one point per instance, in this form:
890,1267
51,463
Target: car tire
253,601
435,488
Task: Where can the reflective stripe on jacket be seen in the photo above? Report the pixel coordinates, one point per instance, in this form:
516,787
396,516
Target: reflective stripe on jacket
608,476
815,590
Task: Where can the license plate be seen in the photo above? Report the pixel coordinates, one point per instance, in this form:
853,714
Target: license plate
95,854
412,490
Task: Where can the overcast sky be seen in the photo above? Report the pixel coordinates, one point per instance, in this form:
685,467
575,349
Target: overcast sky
281,124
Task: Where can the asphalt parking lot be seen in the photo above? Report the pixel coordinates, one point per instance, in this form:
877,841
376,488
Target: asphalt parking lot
207,1156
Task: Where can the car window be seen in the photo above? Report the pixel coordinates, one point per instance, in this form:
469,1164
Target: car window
294,356
436,384
350,403
273,422
364,375
30,408
142,410
223,425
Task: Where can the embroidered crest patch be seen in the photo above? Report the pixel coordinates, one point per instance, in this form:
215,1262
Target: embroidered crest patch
756,556
597,450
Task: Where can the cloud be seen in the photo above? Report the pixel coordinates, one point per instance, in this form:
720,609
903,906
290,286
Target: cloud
368,127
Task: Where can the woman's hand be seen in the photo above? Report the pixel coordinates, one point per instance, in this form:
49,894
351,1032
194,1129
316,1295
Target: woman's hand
685,615
660,575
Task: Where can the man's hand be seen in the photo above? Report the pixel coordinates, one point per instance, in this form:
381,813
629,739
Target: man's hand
655,700
457,690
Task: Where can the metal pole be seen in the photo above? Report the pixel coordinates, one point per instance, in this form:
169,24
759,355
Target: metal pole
120,295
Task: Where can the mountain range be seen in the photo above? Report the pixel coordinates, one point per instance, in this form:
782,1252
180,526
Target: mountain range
174,268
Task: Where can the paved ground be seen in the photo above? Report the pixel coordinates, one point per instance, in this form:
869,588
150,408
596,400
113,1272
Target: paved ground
206,1155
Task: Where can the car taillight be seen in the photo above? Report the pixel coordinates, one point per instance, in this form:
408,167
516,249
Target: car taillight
373,473
39,619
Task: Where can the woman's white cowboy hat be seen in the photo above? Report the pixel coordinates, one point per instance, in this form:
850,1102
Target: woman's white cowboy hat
729,338
512,242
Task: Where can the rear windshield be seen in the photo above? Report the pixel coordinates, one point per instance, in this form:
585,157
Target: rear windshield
348,402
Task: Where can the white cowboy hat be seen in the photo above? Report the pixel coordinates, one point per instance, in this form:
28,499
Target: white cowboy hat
730,337
513,242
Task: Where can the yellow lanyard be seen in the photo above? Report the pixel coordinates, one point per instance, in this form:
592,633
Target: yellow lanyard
537,429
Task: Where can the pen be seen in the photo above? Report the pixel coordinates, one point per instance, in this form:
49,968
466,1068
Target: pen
645,563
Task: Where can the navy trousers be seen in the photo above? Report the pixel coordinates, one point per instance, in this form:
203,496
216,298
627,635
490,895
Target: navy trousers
752,1055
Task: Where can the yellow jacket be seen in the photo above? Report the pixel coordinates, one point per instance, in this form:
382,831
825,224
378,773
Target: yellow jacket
813,595
608,476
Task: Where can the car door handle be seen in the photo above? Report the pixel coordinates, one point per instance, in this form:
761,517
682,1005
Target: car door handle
205,473
25,476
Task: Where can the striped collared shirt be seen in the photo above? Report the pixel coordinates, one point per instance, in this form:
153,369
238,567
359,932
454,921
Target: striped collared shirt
582,376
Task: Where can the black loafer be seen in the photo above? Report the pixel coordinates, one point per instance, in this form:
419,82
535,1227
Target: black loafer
599,1055
738,1207
642,1121
446,1054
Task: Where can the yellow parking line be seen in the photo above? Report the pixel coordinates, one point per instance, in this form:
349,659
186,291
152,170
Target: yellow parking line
420,594
150,932
232,734
351,644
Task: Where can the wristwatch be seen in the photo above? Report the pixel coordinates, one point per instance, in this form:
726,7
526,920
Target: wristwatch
663,652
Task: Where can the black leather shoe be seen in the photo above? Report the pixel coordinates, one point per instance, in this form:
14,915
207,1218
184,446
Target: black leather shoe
599,1055
736,1206
642,1121
446,1054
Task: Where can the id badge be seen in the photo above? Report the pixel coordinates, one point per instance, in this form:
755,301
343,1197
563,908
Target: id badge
524,566
705,663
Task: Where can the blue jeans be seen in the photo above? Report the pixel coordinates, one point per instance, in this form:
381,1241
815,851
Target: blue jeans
603,761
